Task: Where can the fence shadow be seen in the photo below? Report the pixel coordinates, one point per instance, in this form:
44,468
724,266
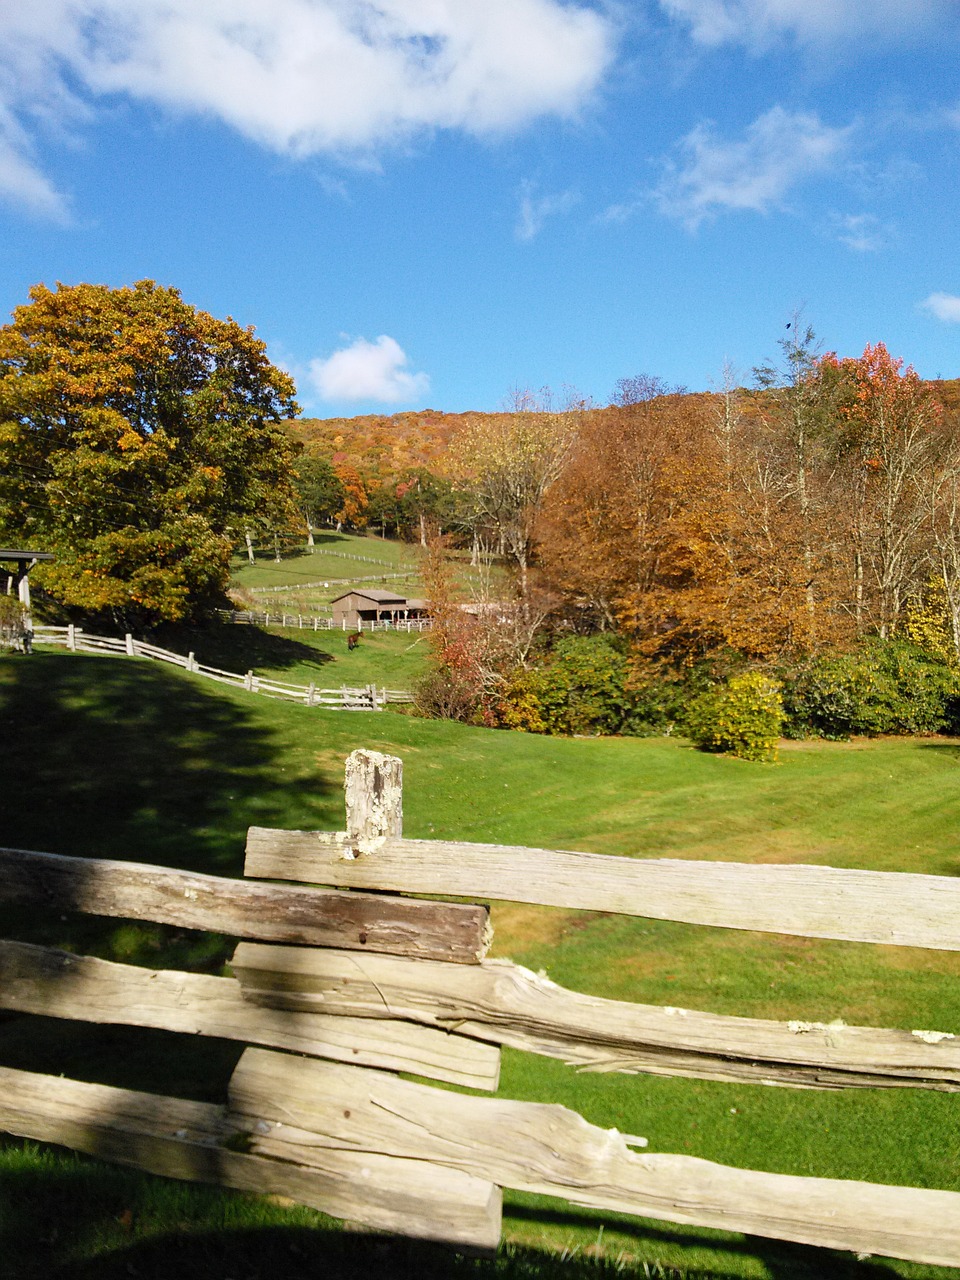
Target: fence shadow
783,1259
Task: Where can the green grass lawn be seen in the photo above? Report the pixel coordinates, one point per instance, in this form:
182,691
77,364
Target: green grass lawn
130,759
390,659
310,579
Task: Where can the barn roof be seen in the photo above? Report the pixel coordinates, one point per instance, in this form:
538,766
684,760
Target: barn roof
376,595
9,553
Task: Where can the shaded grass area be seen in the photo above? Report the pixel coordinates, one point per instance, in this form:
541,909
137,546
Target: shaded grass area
133,760
63,1217
390,659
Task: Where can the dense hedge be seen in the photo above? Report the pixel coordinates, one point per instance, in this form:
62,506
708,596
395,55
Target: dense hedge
882,687
592,684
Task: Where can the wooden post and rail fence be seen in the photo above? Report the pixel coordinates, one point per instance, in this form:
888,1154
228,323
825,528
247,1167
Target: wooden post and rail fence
363,698
337,991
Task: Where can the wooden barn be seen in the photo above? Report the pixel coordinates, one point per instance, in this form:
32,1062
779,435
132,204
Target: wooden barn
375,605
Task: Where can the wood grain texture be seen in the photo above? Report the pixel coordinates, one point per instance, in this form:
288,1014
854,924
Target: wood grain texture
56,984
895,908
280,913
373,791
549,1150
181,1139
504,1003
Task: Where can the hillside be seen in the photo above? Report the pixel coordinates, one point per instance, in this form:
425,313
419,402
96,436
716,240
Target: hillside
387,445
384,445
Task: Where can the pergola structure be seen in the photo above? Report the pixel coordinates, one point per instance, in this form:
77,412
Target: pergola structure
22,562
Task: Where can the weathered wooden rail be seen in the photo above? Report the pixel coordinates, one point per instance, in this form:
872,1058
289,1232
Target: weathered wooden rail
365,986
366,698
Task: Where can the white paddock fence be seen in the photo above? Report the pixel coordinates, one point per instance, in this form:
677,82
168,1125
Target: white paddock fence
366,698
315,622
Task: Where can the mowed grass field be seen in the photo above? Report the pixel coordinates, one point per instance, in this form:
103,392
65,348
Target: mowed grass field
129,759
390,659
304,580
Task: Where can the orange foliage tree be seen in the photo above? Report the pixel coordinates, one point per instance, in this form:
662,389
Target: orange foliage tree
139,436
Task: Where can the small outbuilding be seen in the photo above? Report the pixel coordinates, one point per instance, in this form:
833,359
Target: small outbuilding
374,605
15,565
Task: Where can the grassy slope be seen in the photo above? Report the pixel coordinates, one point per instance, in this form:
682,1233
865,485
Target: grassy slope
311,579
146,762
331,558
396,660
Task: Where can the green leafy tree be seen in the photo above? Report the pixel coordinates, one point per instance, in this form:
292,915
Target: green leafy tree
139,438
426,501
319,490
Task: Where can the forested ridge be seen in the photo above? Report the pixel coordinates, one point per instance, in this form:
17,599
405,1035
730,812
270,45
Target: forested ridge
773,520
794,545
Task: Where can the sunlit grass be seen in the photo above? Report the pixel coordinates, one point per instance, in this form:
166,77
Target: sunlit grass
148,763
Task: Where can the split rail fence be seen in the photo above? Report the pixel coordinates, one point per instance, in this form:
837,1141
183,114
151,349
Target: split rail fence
338,993
365,698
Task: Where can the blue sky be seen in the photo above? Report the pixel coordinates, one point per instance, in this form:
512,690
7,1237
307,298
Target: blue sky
435,202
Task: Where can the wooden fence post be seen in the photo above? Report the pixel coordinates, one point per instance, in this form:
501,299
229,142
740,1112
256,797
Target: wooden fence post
71,636
373,784
131,652
311,690
191,661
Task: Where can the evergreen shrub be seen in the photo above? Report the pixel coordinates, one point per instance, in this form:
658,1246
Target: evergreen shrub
886,686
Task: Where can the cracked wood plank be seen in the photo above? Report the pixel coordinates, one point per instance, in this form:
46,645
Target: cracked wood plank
549,1150
56,984
506,1004
277,913
181,1139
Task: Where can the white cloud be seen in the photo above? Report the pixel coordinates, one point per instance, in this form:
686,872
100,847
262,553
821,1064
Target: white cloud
760,23
534,210
368,371
304,77
755,172
22,182
945,306
861,232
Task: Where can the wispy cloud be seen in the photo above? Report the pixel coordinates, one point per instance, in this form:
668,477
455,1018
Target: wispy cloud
303,77
945,306
368,371
751,173
536,209
22,181
861,232
758,24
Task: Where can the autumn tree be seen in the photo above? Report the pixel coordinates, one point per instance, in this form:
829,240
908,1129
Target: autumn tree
353,510
795,391
642,387
673,522
139,437
510,461
895,458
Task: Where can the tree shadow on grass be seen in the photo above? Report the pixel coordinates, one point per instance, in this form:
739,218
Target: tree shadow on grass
130,761
69,1218
239,648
